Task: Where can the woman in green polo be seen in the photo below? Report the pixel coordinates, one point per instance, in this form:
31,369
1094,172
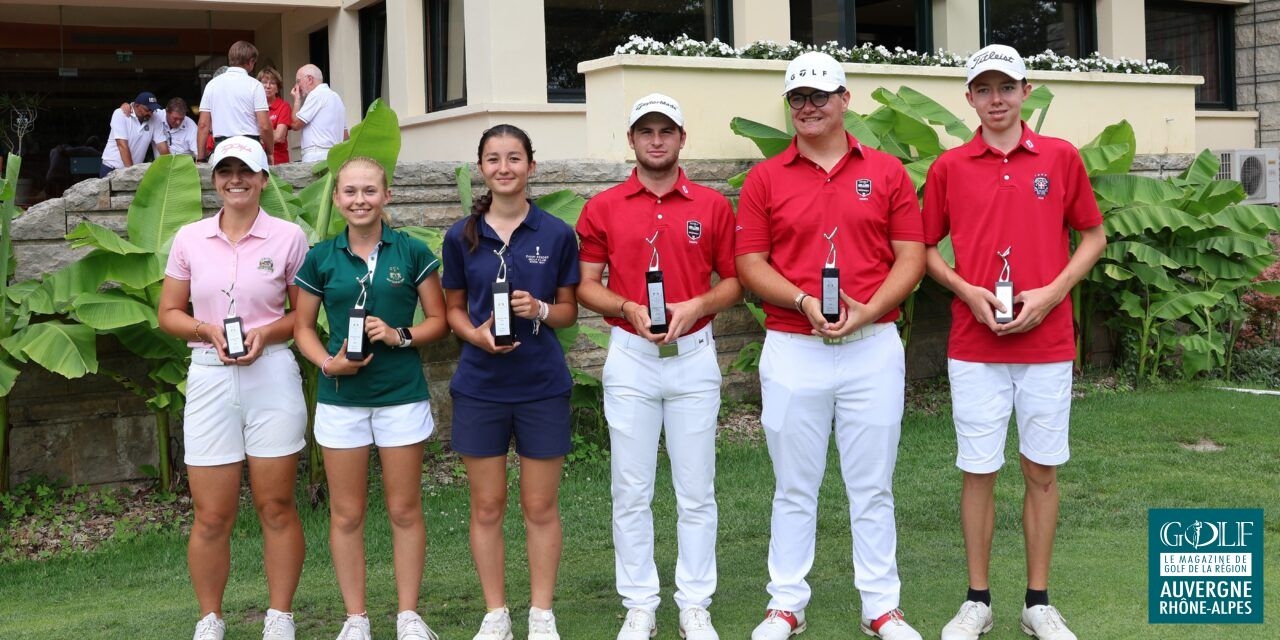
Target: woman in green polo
373,274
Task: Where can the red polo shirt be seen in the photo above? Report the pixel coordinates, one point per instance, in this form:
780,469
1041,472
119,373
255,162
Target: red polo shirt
695,237
789,202
1025,201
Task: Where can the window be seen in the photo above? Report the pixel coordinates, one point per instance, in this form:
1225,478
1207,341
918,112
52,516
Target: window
1066,27
373,55
579,30
317,52
446,62
1196,38
890,23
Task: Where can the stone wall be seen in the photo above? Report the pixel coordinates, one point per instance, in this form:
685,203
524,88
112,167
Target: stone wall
90,430
1257,40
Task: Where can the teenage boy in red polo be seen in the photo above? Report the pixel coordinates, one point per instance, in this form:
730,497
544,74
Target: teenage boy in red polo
1008,198
830,214
657,378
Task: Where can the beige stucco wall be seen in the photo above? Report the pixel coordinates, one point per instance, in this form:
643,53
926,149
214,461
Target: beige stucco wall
955,26
1226,129
713,91
556,131
755,20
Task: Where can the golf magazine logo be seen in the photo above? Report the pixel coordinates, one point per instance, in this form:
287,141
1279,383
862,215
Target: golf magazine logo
1204,566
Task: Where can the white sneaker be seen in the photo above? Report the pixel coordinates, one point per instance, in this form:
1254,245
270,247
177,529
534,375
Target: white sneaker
890,626
542,624
779,625
1044,622
355,628
973,620
695,624
495,626
639,625
277,626
409,626
210,627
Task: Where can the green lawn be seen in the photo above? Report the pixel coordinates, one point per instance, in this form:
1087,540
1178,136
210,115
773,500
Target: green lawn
1127,459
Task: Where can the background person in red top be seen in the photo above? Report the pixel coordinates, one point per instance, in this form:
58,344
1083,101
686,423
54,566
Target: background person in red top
1010,191
656,380
279,112
814,371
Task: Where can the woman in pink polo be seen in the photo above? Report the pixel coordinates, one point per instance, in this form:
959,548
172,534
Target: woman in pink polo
240,262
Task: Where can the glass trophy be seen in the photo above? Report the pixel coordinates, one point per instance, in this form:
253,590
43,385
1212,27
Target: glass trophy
357,339
657,293
1004,289
233,328
502,334
831,281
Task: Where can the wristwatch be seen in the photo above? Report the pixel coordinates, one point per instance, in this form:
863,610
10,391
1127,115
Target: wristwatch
406,338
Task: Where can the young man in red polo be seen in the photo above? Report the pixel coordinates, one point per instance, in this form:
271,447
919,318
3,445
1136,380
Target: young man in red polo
1008,198
829,237
661,237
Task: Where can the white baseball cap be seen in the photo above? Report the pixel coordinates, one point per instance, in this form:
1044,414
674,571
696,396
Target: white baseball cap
656,103
996,57
248,150
814,69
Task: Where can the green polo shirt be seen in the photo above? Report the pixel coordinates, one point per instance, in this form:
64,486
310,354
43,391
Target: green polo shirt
332,272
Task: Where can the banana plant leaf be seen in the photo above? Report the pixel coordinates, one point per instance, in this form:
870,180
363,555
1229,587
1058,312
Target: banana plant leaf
1040,99
92,234
136,270
279,200
377,136
1112,151
596,336
1154,277
1173,307
1146,254
1147,220
563,204
1247,218
919,170
922,107
1200,354
462,178
112,309
1215,196
856,125
1233,244
1126,189
32,295
1266,287
1216,266
769,140
167,198
907,132
430,236
1202,170
8,376
68,350
151,344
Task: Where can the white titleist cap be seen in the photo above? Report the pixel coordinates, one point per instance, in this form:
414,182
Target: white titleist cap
656,103
996,57
248,150
816,70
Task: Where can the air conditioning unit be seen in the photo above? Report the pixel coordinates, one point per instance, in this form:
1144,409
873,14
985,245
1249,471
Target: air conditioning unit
1257,169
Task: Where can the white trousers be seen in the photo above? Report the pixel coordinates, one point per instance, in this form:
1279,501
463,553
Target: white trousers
805,385
642,394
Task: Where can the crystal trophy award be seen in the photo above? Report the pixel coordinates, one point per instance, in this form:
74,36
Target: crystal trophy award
233,328
357,339
1004,289
657,293
502,335
830,281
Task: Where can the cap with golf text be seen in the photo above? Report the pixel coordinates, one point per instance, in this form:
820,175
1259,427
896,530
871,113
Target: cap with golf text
816,70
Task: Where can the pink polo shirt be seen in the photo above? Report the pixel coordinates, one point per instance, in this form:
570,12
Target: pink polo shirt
257,269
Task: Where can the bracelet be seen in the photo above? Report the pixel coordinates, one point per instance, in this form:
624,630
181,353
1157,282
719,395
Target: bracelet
544,310
199,323
326,364
799,302
622,308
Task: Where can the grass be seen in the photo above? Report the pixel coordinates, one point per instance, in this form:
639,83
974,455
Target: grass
1126,459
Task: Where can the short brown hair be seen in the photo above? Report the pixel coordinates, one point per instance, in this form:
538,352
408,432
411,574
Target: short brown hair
241,53
176,104
270,72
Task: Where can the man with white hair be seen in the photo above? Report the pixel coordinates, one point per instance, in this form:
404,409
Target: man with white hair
318,113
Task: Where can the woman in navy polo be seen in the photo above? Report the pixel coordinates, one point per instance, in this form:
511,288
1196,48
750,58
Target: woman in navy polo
520,390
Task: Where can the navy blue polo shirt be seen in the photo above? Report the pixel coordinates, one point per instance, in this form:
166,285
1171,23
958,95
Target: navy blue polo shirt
543,257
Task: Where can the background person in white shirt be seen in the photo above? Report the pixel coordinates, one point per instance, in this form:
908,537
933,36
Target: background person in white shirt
131,134
177,133
318,113
234,103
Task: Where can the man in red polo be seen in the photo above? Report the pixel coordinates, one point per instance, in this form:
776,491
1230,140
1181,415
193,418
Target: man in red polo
1008,199
829,236
661,237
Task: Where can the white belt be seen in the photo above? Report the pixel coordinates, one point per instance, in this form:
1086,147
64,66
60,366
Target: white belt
860,334
683,345
208,356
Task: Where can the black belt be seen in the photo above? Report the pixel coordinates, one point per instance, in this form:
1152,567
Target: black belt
217,140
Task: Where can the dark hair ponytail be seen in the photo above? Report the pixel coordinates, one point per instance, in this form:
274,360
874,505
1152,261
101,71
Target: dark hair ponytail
480,204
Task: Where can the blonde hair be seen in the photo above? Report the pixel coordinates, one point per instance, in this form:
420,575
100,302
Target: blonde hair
367,163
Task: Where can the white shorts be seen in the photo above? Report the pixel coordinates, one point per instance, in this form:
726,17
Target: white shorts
983,395
237,411
339,427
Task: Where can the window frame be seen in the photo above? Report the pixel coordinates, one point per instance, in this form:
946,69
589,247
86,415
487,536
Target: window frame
1225,16
373,41
848,31
435,27
1086,26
